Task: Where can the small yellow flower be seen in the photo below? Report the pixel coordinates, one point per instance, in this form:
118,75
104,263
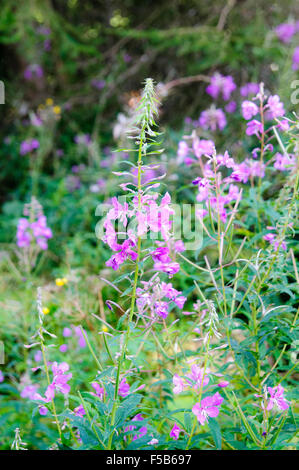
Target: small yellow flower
46,310
49,102
57,109
104,328
61,281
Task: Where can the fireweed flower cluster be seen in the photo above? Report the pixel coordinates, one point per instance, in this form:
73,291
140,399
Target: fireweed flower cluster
28,146
156,297
33,228
273,239
221,85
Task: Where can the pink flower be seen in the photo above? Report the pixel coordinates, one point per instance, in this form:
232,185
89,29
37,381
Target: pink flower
196,376
223,384
175,432
221,84
231,107
79,411
284,162
178,383
208,408
29,391
124,388
285,32
275,107
1,377
141,431
249,109
254,127
249,89
203,147
277,398
43,410
212,119
98,389
295,65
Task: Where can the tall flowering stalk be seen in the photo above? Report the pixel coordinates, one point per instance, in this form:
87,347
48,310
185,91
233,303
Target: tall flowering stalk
143,134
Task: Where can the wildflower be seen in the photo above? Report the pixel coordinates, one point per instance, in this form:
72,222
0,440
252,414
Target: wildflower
33,71
1,377
56,109
178,383
37,230
43,410
38,356
104,329
284,162
207,408
80,335
231,107
79,411
221,84
45,310
98,389
28,146
254,127
29,391
273,240
212,119
67,332
295,65
285,32
63,348
223,384
142,431
277,399
60,377
183,151
61,281
175,432
198,379
275,107
203,147
124,388
249,109
249,89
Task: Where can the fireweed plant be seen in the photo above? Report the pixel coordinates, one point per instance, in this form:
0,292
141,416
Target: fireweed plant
203,355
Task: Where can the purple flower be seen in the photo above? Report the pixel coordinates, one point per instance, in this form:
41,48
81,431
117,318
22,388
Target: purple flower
98,84
223,384
124,388
295,65
33,71
43,410
63,348
277,399
285,32
212,118
284,162
231,107
249,89
1,377
81,339
28,146
208,408
221,84
26,231
67,332
98,389
79,411
275,106
203,147
38,356
249,109
175,432
141,431
254,127
29,391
